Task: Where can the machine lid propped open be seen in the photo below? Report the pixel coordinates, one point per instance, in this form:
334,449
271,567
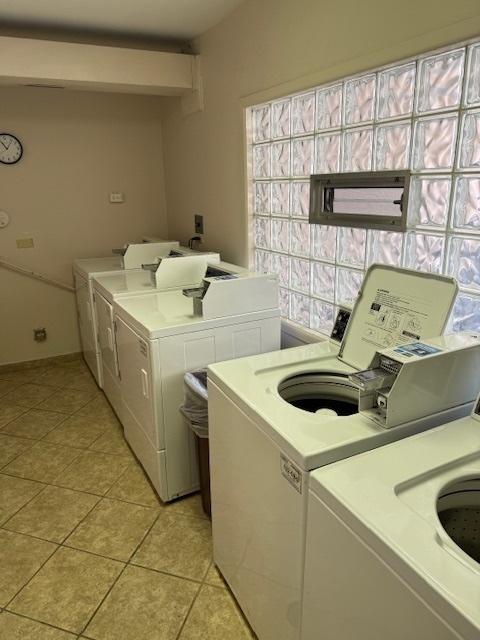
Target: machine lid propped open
395,306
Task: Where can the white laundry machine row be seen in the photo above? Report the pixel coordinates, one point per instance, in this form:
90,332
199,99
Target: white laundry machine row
129,258
84,269
160,337
274,418
393,544
171,272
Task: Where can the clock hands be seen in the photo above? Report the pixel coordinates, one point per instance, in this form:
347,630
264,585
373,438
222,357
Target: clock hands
7,146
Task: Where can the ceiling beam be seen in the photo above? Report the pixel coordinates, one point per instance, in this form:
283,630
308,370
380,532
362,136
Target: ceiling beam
26,61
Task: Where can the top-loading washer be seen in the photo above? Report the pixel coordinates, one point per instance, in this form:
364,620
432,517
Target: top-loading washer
177,270
393,541
275,417
163,335
132,256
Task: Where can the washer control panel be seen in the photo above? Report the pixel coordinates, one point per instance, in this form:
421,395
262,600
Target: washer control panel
340,326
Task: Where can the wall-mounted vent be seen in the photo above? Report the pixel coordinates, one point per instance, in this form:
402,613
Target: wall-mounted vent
373,199
44,86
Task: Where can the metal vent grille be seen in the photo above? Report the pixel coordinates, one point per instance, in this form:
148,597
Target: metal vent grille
390,365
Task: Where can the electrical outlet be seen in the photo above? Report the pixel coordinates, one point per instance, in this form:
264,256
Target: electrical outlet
25,243
198,223
40,335
117,197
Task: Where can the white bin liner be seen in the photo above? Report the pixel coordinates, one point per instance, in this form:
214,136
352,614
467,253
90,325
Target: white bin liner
195,404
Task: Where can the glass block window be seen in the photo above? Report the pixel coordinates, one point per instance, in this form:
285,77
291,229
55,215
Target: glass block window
422,114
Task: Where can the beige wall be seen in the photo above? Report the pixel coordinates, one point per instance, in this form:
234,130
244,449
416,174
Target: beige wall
78,147
268,48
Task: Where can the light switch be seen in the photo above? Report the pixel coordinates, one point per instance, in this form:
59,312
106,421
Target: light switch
25,243
117,196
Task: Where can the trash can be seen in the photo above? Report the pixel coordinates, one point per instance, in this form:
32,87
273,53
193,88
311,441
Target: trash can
195,410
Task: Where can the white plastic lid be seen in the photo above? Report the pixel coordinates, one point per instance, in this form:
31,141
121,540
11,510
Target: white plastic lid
396,306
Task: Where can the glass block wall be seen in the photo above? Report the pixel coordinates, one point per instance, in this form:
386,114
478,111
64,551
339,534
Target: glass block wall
423,115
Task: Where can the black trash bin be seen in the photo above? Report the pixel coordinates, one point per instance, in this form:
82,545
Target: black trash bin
195,410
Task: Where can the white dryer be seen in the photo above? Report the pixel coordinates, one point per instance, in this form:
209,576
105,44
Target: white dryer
84,269
160,337
276,417
181,268
393,541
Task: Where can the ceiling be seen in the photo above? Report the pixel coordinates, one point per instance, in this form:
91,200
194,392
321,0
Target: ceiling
162,19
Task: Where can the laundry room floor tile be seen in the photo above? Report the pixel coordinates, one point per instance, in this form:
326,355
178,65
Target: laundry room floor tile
143,605
67,589
215,616
93,472
133,486
78,431
56,377
53,514
6,386
76,508
34,424
22,376
111,441
9,411
28,395
214,577
113,529
20,558
188,506
83,381
43,462
98,406
11,448
13,627
66,400
178,545
14,494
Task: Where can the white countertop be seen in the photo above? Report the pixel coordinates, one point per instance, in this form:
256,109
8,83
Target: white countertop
125,283
88,267
171,313
310,440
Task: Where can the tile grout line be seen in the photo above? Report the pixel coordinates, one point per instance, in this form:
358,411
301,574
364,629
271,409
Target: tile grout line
100,498
32,576
2,525
161,506
177,637
120,574
48,624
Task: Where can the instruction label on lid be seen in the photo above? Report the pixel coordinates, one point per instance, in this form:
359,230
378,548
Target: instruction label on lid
394,319
395,306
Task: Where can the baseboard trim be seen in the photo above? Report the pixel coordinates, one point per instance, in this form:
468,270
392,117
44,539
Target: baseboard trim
41,362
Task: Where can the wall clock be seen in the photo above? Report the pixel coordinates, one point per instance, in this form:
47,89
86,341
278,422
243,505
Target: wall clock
11,149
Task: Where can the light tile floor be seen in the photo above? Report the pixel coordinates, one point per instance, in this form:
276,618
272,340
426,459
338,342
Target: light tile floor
86,548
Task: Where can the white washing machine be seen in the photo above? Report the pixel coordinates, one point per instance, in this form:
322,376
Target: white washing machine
393,541
84,269
160,337
172,272
276,417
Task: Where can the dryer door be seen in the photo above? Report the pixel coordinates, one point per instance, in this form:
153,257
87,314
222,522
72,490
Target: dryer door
134,361
85,323
106,333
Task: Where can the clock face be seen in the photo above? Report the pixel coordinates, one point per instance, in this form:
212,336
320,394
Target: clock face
10,148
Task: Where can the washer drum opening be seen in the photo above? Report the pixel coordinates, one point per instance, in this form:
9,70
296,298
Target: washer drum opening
321,392
458,509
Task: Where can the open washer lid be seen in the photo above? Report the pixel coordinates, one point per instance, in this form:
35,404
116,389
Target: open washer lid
395,306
